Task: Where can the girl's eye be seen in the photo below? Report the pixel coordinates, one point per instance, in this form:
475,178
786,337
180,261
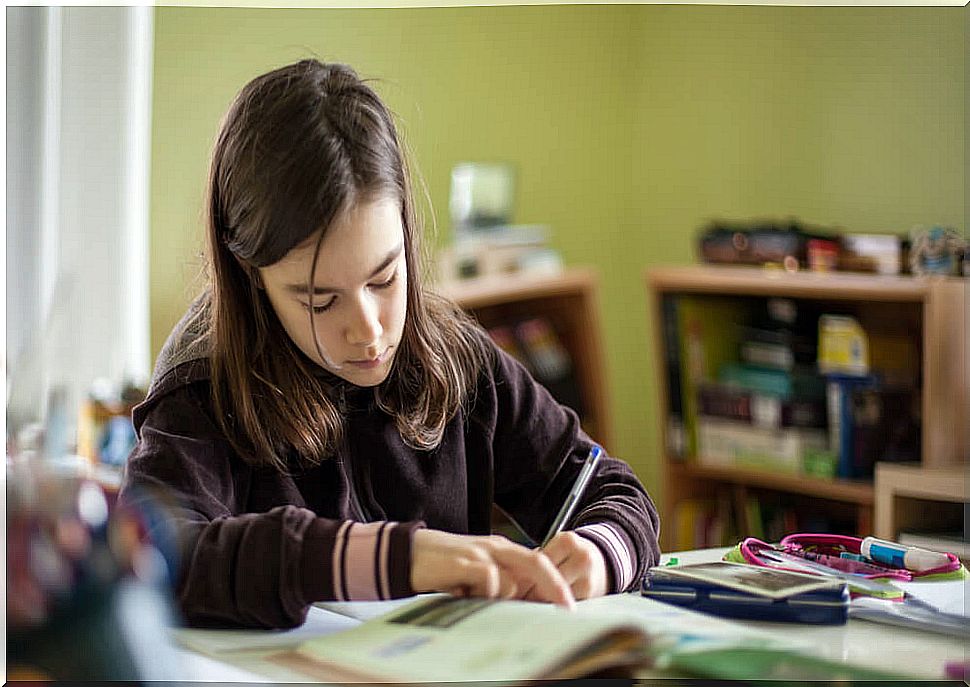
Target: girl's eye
317,309
324,307
385,284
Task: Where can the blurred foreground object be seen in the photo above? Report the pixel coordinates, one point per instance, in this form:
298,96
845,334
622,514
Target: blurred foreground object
105,433
87,592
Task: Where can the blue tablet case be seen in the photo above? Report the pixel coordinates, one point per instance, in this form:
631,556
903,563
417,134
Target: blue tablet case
828,606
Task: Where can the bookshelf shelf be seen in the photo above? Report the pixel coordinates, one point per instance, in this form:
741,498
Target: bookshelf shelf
568,301
849,491
928,315
502,289
772,282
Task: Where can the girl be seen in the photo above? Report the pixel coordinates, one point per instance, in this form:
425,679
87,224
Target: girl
330,428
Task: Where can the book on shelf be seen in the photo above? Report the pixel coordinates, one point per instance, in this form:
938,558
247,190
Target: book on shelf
735,512
544,349
870,421
732,443
797,383
707,330
536,344
781,333
778,520
885,427
445,638
688,523
749,512
896,357
675,440
761,410
504,338
700,523
765,354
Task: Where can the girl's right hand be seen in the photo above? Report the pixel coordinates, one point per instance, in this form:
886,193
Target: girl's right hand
484,566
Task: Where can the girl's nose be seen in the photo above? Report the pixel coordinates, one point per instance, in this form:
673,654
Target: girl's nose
365,327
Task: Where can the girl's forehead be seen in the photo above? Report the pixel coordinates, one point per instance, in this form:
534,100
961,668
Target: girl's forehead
354,239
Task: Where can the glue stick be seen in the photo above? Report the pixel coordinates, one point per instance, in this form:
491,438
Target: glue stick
901,556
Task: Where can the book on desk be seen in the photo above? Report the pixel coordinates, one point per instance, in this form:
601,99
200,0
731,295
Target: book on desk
444,639
436,639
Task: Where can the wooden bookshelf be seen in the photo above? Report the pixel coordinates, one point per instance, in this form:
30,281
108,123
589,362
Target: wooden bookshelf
846,490
569,301
930,312
908,495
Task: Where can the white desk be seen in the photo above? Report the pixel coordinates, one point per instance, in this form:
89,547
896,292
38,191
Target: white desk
885,647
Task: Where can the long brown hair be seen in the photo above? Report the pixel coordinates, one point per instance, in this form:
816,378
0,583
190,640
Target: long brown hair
298,146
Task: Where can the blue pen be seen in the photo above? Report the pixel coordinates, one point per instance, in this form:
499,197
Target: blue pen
589,467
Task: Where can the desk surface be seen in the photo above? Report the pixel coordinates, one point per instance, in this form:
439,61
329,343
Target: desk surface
884,647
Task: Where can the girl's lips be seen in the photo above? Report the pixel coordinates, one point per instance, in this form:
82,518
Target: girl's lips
370,363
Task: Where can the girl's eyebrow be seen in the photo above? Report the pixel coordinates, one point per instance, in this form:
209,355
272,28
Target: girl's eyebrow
300,288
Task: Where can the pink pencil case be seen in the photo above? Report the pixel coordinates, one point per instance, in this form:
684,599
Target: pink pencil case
827,549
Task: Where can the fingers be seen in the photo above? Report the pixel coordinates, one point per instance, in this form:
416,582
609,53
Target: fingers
489,567
532,569
472,572
580,563
574,569
480,577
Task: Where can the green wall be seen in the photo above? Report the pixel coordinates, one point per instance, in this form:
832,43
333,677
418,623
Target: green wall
629,125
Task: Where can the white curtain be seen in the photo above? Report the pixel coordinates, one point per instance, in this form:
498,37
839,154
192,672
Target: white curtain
78,142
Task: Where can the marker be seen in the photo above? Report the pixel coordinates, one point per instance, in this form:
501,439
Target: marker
589,467
901,556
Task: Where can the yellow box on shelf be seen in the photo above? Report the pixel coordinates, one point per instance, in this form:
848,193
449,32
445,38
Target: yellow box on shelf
843,347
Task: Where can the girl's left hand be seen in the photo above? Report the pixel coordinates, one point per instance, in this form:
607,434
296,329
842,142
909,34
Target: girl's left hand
581,564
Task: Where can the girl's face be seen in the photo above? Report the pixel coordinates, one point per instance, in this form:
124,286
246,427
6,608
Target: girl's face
360,291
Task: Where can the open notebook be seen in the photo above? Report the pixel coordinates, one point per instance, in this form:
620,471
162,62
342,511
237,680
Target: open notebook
433,640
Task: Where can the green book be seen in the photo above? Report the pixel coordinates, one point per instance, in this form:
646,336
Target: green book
708,332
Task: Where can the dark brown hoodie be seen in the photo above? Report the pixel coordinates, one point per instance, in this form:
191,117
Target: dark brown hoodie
260,545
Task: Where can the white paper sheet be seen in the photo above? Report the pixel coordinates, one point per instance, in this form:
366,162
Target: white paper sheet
949,597
365,610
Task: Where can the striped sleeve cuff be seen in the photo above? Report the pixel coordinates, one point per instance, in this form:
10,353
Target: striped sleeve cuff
366,562
616,551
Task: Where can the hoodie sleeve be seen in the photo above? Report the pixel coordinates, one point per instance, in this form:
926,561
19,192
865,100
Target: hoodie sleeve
252,569
539,448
